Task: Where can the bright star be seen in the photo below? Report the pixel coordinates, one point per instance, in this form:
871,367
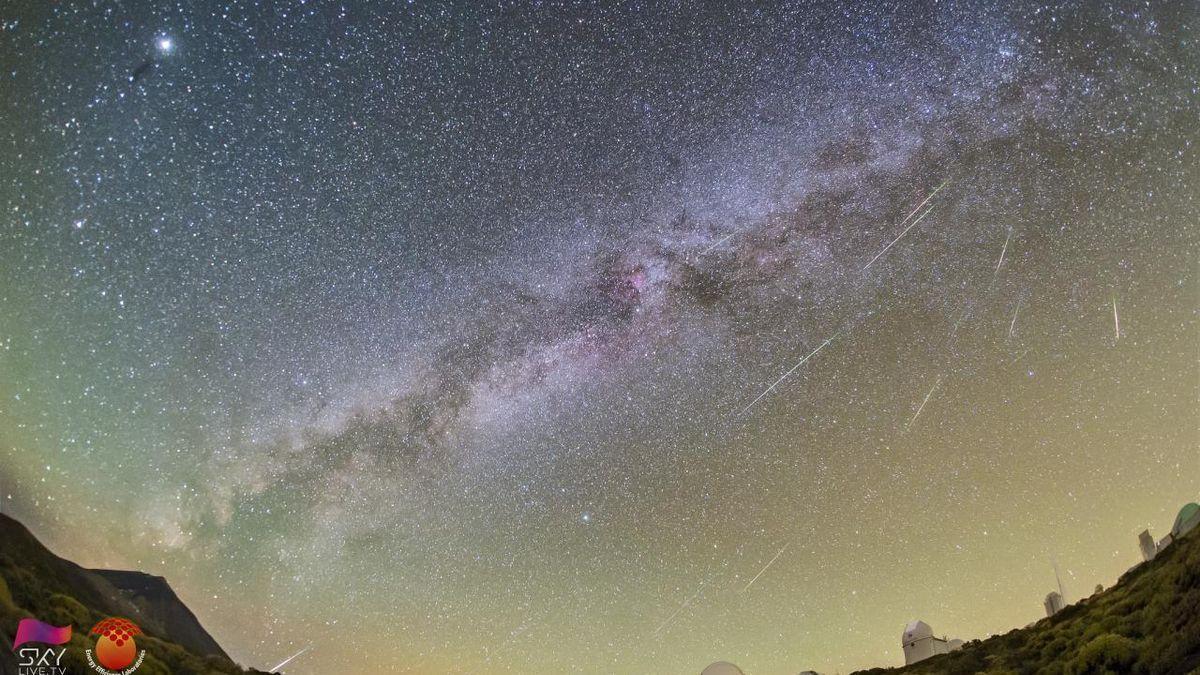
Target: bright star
165,44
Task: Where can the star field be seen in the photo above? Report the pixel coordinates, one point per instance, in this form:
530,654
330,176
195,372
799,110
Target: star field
599,337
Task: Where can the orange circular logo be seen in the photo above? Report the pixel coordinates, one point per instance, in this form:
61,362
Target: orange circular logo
115,648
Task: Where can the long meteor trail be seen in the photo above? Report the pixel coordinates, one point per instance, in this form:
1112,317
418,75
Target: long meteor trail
1002,252
766,567
722,241
682,607
1116,320
911,225
290,659
785,375
922,406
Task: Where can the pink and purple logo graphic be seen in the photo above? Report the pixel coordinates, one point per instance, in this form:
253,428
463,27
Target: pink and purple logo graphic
32,630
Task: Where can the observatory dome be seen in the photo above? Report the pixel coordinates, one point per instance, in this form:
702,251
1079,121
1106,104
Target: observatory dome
916,630
1188,518
722,668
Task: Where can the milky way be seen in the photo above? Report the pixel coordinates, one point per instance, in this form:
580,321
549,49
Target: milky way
624,338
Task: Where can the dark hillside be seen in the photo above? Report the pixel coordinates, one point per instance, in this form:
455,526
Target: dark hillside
36,583
1149,622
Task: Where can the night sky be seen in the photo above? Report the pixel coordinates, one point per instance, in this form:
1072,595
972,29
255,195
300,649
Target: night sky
546,337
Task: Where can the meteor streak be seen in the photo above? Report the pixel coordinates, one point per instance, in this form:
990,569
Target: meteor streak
682,607
1013,324
961,316
911,225
1003,250
290,658
922,406
785,375
722,241
1116,320
766,567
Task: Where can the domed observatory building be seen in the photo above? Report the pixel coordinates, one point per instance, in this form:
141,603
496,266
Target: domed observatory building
722,668
1186,521
919,643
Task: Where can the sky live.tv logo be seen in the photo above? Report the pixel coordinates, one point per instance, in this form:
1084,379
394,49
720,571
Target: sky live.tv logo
33,660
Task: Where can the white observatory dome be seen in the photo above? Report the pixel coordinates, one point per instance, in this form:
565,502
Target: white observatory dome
916,630
722,668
